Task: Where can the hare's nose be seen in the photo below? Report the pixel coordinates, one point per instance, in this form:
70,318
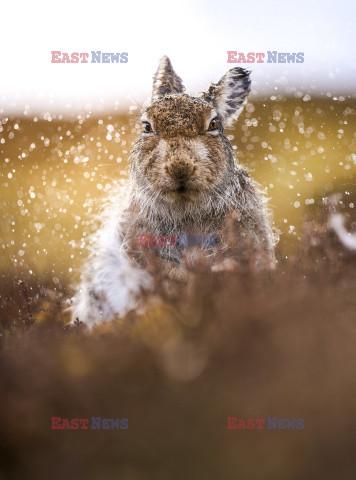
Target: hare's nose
180,170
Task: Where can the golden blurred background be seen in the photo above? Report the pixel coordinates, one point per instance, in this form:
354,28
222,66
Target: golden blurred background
55,172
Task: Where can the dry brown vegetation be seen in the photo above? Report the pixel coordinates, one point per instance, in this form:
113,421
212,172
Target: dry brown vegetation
234,343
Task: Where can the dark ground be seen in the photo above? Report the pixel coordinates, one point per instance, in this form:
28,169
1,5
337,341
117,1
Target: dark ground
244,344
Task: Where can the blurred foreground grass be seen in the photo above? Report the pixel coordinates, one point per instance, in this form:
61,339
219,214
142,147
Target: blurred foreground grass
241,343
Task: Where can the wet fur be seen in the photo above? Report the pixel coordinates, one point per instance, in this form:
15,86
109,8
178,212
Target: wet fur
184,180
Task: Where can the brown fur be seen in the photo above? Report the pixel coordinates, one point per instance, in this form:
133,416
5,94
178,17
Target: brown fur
184,181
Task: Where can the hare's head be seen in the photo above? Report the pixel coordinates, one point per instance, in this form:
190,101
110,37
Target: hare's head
183,155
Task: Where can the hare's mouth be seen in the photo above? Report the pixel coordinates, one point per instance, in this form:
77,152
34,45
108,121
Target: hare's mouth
181,192
181,188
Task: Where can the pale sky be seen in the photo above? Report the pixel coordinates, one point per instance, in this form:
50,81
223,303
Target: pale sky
194,34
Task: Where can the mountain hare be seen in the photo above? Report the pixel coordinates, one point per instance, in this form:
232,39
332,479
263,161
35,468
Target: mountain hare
185,185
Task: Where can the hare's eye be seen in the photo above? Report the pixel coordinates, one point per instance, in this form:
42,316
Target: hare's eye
213,125
147,127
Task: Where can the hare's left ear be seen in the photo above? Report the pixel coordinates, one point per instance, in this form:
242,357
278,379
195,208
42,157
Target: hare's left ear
229,95
166,80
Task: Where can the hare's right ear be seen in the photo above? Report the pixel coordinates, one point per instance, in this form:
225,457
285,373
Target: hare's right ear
229,95
166,80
